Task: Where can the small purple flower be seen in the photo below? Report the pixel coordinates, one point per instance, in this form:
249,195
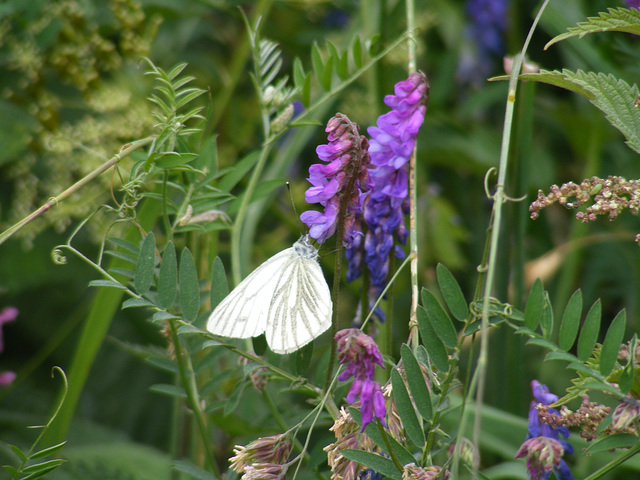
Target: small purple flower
543,446
633,3
391,146
8,314
343,180
361,353
487,22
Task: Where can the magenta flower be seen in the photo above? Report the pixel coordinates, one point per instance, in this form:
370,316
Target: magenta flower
391,146
361,354
7,314
633,3
343,180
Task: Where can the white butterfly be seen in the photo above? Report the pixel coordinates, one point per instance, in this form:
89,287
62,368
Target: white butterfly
286,297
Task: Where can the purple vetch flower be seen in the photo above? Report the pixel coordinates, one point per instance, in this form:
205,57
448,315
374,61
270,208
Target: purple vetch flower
633,3
342,181
361,354
487,23
543,446
8,314
544,455
262,459
392,144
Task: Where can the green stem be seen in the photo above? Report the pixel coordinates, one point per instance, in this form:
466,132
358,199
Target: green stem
499,198
614,463
188,381
392,454
54,201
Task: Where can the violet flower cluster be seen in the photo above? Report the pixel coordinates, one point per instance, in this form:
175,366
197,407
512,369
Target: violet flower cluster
392,144
340,183
7,314
633,3
360,352
544,446
487,23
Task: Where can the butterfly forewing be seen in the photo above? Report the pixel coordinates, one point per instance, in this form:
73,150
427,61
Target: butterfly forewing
301,306
243,313
286,297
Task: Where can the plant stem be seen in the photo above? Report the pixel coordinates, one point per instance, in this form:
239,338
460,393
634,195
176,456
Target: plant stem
478,381
54,201
192,396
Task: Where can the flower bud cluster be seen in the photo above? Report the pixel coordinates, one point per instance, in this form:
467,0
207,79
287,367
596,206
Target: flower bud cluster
262,459
588,417
608,196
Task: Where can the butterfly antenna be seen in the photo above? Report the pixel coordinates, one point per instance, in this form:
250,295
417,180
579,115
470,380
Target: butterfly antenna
293,206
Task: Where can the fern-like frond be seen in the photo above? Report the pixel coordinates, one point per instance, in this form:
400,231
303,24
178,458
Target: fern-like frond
614,20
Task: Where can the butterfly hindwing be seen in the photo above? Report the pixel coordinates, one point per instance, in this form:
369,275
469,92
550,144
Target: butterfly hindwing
301,307
243,313
286,297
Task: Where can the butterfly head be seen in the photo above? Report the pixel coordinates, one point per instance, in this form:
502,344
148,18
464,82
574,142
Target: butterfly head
303,248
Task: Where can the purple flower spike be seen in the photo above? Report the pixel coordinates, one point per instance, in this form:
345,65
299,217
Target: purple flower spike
344,179
391,146
543,446
361,353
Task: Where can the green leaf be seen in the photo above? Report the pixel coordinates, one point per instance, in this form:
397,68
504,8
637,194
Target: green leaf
42,468
170,390
626,376
435,348
442,324
136,303
374,461
298,73
611,343
318,63
301,359
18,452
124,244
623,440
546,320
614,20
452,293
589,331
327,75
219,285
47,451
192,470
240,169
542,342
106,283
305,93
373,432
614,97
173,159
342,66
417,384
356,52
168,277
555,355
533,308
189,287
570,321
146,264
405,409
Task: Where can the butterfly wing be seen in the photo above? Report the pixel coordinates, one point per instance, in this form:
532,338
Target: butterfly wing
301,305
243,313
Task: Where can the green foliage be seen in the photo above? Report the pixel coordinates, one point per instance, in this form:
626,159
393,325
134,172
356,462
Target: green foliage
614,20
